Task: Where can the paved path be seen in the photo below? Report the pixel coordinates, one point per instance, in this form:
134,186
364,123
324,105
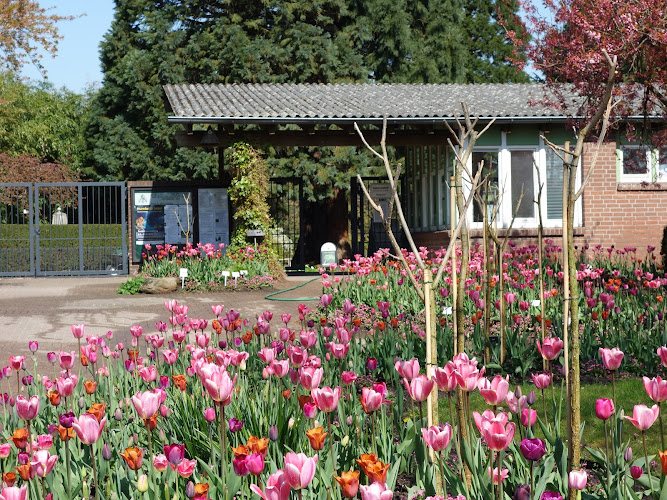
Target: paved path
43,309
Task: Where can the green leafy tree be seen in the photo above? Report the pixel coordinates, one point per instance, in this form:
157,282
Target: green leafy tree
492,56
41,122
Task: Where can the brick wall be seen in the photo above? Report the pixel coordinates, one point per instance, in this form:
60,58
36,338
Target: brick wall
624,215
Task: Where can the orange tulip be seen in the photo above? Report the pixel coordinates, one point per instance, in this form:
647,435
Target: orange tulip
356,322
65,434
25,471
287,394
20,438
349,483
258,445
151,423
240,451
54,398
98,410
247,337
133,353
179,381
316,438
133,457
303,399
663,461
84,360
659,298
90,386
374,469
9,478
201,490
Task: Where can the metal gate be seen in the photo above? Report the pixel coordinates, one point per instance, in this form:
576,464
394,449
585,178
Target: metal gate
286,209
367,234
63,229
17,248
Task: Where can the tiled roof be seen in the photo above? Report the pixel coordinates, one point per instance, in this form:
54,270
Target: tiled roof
341,102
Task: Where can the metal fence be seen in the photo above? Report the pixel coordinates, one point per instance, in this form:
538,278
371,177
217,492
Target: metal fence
63,229
286,209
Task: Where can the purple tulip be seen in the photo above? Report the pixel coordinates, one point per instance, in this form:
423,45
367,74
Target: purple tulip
532,449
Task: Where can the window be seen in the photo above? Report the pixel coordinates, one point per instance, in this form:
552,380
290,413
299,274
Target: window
641,164
489,192
523,185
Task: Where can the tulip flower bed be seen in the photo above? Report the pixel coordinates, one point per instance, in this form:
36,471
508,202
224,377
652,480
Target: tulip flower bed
226,407
621,304
206,263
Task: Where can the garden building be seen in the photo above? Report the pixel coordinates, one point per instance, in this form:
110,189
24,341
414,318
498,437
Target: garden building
623,204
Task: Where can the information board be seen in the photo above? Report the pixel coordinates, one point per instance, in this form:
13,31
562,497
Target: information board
148,215
213,216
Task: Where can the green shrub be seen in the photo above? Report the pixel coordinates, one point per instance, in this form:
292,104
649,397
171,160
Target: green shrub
131,286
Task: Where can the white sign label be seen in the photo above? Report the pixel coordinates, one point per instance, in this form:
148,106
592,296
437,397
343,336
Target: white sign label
183,272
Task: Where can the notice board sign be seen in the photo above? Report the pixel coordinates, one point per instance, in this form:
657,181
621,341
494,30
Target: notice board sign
154,218
213,216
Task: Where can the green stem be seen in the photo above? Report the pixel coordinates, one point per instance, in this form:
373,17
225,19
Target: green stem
662,434
606,449
442,475
92,464
331,451
150,458
648,465
223,447
69,468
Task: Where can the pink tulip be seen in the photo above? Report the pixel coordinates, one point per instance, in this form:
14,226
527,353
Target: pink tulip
656,388
16,362
66,359
300,469
309,410
326,398
339,351
349,377
643,417
371,400
186,468
14,493
78,330
160,462
277,487
170,356
407,369
498,436
577,479
528,417
209,414
267,354
66,385
467,376
255,464
496,477
148,373
494,392
308,338
297,356
280,368
42,463
604,408
88,428
487,417
662,352
5,450
376,491
419,388
611,358
551,347
217,309
27,408
541,380
220,386
445,377
146,403
310,377
437,437
175,453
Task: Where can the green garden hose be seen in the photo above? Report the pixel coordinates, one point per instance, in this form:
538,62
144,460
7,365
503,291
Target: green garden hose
272,295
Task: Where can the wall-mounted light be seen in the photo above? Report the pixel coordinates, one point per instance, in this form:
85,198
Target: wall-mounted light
210,139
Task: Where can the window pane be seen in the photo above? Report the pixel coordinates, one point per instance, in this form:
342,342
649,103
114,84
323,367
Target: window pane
662,163
490,193
554,186
522,182
634,161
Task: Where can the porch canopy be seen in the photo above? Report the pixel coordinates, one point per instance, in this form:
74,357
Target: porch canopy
324,115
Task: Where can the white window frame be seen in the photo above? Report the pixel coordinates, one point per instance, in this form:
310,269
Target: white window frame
651,163
505,180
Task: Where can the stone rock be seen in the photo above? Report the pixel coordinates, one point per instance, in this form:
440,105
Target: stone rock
160,285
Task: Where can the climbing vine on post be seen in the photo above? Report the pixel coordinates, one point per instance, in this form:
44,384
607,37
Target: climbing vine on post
248,192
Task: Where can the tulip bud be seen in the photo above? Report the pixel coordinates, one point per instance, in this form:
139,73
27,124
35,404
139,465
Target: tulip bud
190,490
118,414
517,392
142,483
106,452
290,423
522,492
628,454
162,435
209,414
531,398
82,402
345,440
23,458
273,433
349,420
130,442
84,489
636,472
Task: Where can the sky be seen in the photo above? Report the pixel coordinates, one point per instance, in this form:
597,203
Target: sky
77,63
